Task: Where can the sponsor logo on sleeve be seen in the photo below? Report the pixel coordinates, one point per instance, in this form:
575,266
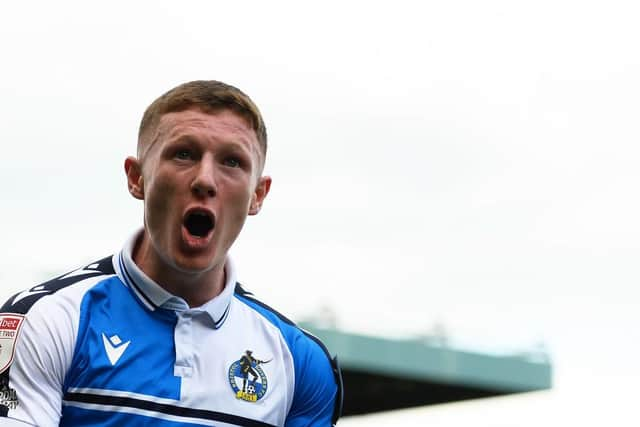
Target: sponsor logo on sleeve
8,396
9,329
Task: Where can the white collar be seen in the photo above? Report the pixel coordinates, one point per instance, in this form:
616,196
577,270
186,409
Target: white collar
153,296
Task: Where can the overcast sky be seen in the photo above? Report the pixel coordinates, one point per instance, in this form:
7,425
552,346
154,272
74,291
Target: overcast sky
472,165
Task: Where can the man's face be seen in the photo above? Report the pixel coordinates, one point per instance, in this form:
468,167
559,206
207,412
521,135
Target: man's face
199,179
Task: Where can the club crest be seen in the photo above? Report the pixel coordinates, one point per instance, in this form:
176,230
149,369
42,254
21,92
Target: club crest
247,379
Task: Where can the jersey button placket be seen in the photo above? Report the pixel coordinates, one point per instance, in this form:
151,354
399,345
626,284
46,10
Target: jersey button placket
183,337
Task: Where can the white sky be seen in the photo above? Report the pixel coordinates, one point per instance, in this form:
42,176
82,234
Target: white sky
468,164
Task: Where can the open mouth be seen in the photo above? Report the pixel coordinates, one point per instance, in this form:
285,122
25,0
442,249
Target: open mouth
199,223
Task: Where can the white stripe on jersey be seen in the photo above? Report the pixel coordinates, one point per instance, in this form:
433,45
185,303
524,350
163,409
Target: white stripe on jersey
120,393
146,413
139,411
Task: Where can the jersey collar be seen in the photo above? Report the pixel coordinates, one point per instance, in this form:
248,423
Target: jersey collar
153,296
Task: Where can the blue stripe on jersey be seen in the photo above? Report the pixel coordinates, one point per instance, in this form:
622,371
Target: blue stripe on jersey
146,366
315,384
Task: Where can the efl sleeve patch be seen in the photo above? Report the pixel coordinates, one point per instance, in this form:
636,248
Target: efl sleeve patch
10,324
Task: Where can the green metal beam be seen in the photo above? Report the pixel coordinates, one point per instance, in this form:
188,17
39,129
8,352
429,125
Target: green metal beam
420,360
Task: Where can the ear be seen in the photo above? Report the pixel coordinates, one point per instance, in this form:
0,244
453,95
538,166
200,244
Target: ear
260,193
133,170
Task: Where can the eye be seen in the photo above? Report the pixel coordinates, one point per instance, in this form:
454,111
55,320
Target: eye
232,162
183,154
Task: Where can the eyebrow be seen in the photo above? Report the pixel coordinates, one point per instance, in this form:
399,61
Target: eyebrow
190,138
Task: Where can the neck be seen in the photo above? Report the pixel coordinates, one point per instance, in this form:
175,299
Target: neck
195,287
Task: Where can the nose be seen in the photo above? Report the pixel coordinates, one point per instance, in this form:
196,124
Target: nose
204,183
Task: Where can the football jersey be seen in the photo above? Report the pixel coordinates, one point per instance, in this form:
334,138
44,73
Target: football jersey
104,345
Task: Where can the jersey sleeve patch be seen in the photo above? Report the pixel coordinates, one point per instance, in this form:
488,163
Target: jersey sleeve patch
10,324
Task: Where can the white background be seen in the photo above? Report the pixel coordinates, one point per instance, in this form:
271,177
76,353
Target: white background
466,167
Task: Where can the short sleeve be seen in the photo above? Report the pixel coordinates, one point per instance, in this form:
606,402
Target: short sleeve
43,351
318,390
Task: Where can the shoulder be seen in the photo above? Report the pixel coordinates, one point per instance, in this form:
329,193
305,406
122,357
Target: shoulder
23,301
318,382
297,338
47,314
43,321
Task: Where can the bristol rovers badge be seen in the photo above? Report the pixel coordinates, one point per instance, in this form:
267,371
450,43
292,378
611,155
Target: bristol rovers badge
247,379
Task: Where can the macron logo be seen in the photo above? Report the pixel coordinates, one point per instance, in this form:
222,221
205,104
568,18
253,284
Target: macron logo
114,347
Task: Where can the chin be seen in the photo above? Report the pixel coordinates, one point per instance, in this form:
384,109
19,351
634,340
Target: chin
194,264
194,267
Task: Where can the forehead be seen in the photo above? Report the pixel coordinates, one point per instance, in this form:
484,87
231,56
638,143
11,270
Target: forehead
223,124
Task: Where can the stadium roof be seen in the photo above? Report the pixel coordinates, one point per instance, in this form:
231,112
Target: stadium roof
382,374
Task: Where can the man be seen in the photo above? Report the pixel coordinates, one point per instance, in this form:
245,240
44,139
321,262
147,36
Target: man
155,334
247,363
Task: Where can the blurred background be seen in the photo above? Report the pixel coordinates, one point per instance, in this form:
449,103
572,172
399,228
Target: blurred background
459,170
